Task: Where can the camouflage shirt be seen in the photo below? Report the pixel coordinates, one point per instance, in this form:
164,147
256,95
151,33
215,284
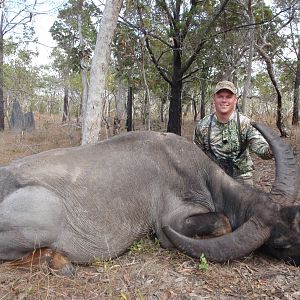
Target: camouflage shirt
225,142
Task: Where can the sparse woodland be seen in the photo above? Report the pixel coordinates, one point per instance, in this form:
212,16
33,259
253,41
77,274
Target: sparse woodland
166,55
165,58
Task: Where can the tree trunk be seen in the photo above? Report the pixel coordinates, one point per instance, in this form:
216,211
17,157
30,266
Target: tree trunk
2,114
129,110
247,83
93,114
161,109
271,73
66,104
147,112
194,104
83,61
175,110
178,30
203,96
120,100
295,119
17,117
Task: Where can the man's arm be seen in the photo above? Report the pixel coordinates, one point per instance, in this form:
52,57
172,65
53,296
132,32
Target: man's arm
258,144
198,138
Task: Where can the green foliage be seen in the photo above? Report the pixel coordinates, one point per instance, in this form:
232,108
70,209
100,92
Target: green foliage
262,12
156,242
203,264
223,53
10,47
21,80
144,246
264,87
65,32
138,246
104,264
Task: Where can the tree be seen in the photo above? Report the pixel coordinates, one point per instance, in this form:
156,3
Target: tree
251,35
295,119
22,81
75,33
271,45
11,17
100,62
270,69
180,22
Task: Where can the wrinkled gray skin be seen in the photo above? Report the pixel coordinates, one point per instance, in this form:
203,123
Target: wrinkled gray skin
95,201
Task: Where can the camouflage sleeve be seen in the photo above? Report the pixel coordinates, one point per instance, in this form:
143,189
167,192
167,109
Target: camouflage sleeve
198,137
258,144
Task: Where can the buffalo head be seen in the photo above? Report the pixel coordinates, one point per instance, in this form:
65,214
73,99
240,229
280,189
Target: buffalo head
284,242
259,221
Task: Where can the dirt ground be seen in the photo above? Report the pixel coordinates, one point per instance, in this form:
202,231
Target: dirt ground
146,271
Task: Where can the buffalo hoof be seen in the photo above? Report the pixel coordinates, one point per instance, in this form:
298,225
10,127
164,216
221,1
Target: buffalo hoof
66,271
61,265
57,262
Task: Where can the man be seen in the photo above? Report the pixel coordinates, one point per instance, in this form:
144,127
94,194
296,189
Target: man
227,136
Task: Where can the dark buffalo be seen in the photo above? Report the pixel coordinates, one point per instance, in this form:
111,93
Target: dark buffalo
94,201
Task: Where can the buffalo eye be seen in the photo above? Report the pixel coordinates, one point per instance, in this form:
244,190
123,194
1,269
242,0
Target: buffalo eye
281,243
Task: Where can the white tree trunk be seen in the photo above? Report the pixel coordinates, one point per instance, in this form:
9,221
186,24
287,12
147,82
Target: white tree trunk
83,65
100,63
147,96
120,101
247,84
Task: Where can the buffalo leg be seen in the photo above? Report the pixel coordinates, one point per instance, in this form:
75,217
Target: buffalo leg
56,261
31,219
208,224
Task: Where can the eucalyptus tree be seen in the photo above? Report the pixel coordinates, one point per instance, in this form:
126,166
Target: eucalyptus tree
223,55
295,119
99,69
252,33
178,34
14,15
75,33
272,44
167,28
249,14
126,54
61,64
133,68
183,38
22,81
291,57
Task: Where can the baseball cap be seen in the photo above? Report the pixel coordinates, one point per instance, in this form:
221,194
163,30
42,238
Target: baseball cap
225,85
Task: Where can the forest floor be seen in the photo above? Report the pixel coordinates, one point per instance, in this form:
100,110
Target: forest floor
146,271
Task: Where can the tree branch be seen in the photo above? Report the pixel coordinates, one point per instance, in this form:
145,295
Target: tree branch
161,71
11,24
189,19
144,31
202,40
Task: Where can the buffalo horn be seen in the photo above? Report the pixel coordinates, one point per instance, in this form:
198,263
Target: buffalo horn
227,247
287,176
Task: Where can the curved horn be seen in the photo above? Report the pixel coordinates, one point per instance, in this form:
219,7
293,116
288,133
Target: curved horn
287,176
227,247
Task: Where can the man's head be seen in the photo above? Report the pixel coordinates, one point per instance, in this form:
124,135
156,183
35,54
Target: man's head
225,100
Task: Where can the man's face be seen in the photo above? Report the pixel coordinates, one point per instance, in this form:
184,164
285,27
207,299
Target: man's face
225,102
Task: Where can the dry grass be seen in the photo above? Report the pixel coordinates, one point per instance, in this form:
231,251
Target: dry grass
147,271
50,133
156,273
